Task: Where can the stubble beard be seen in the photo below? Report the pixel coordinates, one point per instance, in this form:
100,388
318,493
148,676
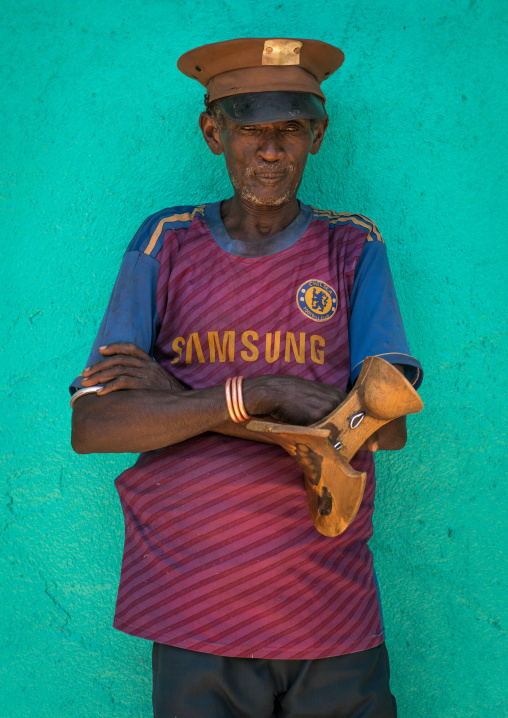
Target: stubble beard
249,195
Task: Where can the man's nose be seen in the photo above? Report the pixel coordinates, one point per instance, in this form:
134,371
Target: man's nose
270,147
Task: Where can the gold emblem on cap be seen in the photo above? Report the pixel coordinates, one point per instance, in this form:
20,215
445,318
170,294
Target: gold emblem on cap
281,52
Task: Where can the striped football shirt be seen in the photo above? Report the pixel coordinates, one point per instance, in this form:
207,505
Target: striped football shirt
220,552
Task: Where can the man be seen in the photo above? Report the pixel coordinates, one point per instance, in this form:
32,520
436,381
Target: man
252,612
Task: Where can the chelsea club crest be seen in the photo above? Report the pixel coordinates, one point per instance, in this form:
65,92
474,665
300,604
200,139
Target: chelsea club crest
317,300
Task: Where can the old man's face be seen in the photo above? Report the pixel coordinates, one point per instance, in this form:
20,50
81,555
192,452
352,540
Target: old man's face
266,162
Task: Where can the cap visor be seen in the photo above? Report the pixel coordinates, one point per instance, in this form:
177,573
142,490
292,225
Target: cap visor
258,108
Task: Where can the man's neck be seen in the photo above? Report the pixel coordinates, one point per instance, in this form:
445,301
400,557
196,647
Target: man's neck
252,223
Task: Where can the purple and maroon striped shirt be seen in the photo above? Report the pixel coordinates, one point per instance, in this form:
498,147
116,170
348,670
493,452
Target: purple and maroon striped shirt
221,554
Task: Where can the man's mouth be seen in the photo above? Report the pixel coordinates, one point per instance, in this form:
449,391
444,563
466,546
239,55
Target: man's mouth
271,174
270,177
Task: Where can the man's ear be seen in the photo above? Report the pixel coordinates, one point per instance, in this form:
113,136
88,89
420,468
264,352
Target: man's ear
318,137
210,133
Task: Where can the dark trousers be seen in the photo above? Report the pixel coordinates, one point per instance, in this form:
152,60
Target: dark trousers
187,684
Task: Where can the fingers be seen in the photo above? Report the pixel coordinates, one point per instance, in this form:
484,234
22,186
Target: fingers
310,405
109,373
124,348
115,360
121,377
372,443
127,371
291,399
117,353
128,353
120,382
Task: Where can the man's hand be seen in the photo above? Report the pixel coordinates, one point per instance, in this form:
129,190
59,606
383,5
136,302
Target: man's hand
390,437
126,366
290,399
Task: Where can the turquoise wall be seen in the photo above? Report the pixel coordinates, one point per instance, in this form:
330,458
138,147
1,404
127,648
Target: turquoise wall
99,130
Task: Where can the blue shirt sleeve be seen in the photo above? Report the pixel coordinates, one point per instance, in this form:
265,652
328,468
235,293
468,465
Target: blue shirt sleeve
131,315
375,326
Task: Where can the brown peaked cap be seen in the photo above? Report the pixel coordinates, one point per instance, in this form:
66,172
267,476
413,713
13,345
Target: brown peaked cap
254,64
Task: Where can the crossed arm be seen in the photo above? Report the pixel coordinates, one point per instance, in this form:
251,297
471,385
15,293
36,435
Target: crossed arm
143,407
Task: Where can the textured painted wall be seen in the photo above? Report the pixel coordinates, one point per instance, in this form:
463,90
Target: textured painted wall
98,132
